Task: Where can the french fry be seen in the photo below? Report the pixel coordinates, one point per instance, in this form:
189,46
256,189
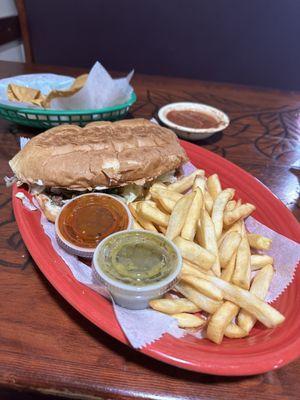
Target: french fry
238,203
136,225
228,247
227,272
185,320
195,253
209,240
148,196
237,213
178,216
218,209
220,320
259,242
157,191
158,206
203,302
200,182
148,202
233,331
162,229
198,237
259,288
133,209
203,286
260,260
152,214
242,272
191,269
189,228
265,313
158,185
214,186
236,227
230,205
166,203
143,222
174,306
185,183
208,201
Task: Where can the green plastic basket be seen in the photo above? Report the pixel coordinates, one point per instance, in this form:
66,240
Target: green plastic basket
49,118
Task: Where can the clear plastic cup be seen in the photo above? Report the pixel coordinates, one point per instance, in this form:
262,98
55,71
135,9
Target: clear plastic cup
129,295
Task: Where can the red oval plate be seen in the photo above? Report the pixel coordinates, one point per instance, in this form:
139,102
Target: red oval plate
264,350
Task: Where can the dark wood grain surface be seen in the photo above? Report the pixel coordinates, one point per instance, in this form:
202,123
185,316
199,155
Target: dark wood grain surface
48,347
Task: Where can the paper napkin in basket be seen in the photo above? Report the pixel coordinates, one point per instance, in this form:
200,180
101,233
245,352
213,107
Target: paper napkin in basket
100,91
95,90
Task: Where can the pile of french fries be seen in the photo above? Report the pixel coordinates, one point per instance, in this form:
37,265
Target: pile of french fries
215,289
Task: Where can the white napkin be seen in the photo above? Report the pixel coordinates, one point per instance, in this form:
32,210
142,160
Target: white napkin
143,327
99,91
286,254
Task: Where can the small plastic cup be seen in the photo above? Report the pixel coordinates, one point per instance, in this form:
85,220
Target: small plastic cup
81,251
132,296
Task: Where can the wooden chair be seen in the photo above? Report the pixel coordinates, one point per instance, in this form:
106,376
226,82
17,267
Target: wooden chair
9,29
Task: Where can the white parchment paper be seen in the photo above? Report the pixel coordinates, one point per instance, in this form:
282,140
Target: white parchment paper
100,90
143,327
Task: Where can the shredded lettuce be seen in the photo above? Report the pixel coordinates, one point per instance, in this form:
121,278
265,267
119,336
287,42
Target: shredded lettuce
168,177
131,192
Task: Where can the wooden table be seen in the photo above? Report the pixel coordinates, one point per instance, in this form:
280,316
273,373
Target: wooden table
48,347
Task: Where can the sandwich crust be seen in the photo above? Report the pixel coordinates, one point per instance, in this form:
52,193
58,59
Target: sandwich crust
102,154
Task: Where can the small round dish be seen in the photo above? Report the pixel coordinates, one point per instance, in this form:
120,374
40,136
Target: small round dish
89,218
189,133
136,266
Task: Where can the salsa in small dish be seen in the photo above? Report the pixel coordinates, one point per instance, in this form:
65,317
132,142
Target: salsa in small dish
137,266
87,219
193,121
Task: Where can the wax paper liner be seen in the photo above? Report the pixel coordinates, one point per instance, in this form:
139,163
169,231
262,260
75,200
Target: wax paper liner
143,327
99,91
286,254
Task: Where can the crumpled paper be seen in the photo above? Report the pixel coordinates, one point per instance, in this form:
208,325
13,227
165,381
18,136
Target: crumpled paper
286,254
97,90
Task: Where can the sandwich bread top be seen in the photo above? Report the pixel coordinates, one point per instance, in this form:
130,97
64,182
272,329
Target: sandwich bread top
102,154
